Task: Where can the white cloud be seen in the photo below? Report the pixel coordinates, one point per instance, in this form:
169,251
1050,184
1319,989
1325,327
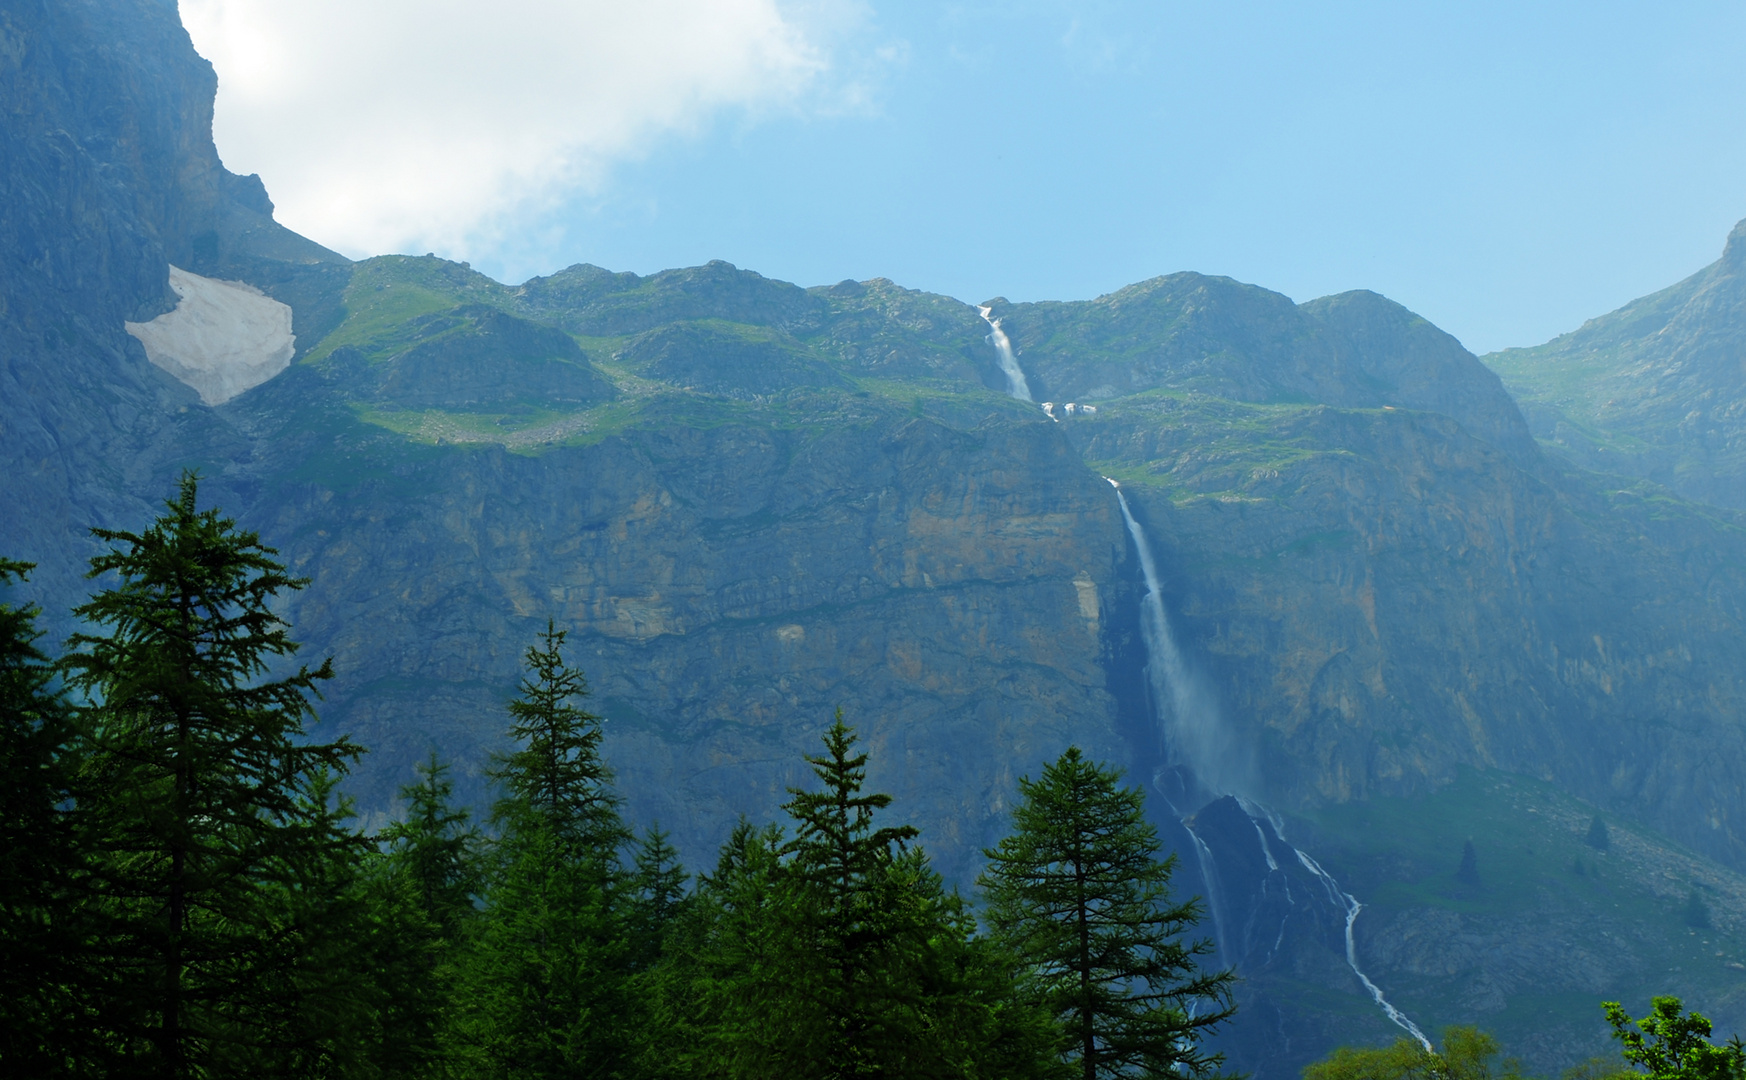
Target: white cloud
413,125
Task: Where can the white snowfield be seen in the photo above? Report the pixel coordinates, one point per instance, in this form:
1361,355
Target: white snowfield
223,338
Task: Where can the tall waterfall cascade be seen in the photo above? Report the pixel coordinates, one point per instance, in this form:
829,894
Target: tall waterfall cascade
1015,375
1196,740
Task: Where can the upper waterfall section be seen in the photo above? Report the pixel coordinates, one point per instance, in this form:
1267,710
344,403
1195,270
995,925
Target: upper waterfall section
1016,385
1211,335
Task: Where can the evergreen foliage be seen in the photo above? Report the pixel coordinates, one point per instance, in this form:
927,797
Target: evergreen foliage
1468,872
1078,890
201,801
42,1014
1598,837
836,951
419,890
187,894
547,983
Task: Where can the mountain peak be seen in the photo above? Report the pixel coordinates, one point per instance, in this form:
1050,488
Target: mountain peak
1734,255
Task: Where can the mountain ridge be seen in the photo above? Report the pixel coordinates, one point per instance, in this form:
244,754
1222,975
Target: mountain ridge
1655,389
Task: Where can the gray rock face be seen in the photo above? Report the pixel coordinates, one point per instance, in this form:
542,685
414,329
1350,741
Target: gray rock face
1656,389
1412,364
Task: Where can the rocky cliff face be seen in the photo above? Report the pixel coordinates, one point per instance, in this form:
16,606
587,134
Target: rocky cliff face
108,176
1655,389
751,503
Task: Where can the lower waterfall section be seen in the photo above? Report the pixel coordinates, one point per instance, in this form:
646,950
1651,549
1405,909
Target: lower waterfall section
1353,907
1250,895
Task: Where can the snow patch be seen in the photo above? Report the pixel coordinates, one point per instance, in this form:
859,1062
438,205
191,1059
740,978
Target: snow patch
223,338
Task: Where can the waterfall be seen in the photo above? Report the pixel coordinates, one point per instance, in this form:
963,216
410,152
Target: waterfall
1188,715
1352,907
1194,736
1015,375
1210,874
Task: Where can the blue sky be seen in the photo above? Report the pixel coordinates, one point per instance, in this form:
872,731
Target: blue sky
1506,170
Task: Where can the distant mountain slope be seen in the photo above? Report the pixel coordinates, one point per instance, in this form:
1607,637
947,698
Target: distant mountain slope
1656,389
1215,336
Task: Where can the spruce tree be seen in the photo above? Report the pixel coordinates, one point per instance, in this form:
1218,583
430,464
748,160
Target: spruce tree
42,1012
197,793
547,984
1079,893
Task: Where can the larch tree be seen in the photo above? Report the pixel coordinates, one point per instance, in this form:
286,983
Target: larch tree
43,1015
419,891
204,805
840,864
547,986
1079,893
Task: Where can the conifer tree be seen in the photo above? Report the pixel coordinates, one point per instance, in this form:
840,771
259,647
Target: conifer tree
436,848
197,792
852,917
42,1013
729,999
556,779
1079,893
657,896
836,951
419,894
547,984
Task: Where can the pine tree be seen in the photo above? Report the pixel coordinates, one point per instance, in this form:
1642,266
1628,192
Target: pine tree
1079,893
730,999
556,779
1468,872
197,791
42,1014
836,951
547,984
